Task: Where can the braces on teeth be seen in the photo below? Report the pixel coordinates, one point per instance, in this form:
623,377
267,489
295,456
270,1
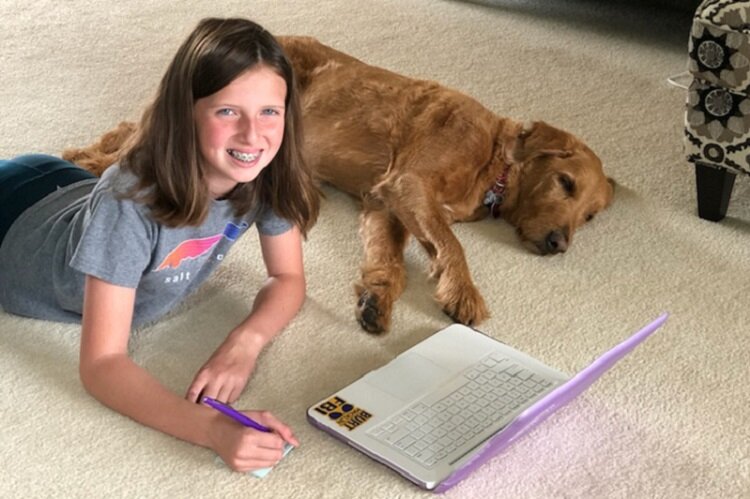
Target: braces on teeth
243,156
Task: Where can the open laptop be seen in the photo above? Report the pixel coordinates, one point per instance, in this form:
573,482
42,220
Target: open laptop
452,402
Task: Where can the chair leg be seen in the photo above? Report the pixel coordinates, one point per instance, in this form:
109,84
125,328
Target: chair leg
714,186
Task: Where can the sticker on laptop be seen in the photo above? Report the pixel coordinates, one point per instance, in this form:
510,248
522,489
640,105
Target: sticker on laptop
345,414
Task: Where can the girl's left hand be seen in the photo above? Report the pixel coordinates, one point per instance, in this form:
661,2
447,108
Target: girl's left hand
225,374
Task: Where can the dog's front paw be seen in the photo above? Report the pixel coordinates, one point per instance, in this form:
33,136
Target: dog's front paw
370,313
463,304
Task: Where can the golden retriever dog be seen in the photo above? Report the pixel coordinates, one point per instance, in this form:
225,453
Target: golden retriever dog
420,157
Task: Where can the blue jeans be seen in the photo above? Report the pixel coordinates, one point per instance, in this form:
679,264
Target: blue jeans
27,179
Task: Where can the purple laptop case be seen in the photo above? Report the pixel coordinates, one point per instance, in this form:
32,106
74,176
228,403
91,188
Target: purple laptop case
549,404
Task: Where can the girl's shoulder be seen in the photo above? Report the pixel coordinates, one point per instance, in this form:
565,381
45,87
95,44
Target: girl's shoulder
269,222
115,198
117,180
118,185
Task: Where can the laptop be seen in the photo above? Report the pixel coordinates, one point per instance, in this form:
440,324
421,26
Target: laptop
452,402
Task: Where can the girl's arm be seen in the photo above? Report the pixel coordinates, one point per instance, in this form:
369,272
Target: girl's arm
114,379
225,374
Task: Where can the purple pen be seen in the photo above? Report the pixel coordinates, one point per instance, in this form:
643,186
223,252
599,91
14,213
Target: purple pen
235,414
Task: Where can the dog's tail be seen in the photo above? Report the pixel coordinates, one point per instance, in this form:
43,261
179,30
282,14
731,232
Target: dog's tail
106,151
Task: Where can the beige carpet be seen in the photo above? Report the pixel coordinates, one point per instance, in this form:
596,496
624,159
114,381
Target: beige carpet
670,421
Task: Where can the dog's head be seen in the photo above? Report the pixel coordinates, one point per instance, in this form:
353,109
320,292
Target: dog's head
557,186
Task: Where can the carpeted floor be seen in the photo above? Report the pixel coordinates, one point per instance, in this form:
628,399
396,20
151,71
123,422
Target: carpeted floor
670,421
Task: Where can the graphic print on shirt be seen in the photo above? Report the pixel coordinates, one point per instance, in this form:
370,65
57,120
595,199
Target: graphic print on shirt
195,248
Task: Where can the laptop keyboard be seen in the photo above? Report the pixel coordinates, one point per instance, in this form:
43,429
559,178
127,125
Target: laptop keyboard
439,425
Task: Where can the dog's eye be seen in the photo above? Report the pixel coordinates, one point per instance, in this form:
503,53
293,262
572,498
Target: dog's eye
589,217
568,184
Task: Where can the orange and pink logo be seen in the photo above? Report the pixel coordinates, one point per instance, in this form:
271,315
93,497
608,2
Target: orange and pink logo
196,248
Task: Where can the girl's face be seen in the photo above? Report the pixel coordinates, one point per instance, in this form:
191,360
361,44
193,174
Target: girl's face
240,128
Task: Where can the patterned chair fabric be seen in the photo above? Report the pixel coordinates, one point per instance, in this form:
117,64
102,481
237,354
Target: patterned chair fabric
717,119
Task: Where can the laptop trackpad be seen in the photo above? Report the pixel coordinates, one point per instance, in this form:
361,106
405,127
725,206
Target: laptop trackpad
408,376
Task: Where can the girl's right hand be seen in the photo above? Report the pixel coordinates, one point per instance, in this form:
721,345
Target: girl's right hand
246,449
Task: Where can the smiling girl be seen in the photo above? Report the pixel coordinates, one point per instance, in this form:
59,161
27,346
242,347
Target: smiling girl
217,151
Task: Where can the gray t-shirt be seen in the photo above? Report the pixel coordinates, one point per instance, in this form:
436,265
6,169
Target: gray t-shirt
88,228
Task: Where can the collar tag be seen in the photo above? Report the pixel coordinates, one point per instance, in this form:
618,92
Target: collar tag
493,198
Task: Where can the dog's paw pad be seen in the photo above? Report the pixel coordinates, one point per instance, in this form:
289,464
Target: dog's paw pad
368,314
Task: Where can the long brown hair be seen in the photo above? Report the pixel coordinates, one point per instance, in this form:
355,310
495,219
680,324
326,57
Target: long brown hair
164,153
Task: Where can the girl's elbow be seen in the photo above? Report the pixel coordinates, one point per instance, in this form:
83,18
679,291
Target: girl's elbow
92,374
87,377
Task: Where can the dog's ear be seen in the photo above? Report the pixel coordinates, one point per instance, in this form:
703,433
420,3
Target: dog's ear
537,139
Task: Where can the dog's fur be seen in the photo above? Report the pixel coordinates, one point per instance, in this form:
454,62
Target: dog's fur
420,157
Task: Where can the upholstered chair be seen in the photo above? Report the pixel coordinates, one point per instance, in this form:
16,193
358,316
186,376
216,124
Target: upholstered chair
717,131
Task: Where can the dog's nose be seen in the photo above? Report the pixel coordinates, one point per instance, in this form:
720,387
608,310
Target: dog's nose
556,242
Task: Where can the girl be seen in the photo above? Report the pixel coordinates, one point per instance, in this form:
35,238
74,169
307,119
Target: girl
217,150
